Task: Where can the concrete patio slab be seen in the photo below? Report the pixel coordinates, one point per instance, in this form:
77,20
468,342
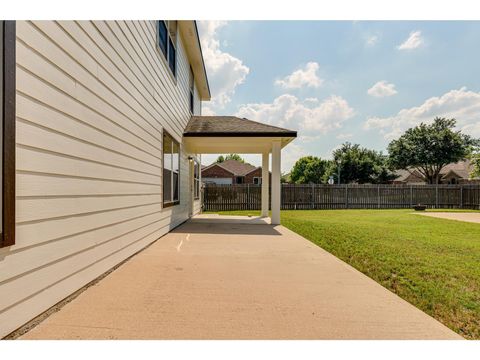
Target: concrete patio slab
459,216
230,279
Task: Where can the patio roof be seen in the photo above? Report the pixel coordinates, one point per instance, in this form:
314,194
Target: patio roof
230,134
219,126
223,134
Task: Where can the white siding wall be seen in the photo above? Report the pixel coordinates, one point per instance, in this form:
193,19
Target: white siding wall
92,100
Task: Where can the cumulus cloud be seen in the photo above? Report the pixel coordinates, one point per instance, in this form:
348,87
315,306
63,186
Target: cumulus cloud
382,89
461,104
306,76
289,111
225,72
371,40
344,136
414,41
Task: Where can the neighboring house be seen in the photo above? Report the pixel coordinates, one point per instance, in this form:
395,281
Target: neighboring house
101,136
232,172
455,173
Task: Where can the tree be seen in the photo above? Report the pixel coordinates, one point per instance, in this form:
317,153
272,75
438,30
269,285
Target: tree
236,157
428,148
359,165
475,159
309,169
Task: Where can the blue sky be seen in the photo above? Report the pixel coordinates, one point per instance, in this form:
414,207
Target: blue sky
336,81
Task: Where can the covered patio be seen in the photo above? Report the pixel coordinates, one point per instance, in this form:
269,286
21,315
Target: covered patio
229,134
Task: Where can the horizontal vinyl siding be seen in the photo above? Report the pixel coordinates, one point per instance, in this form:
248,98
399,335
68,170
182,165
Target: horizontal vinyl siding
92,100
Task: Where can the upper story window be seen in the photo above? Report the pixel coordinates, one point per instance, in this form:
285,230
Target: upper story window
192,91
171,170
167,41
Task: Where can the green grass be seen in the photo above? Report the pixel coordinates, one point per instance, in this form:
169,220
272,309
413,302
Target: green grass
432,263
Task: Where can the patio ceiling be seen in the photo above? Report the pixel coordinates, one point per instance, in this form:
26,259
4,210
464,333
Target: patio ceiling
230,134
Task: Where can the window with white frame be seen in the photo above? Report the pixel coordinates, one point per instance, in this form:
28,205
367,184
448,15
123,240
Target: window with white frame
257,180
196,180
167,36
171,170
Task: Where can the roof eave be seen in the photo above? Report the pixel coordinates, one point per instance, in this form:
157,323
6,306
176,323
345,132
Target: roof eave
193,48
289,134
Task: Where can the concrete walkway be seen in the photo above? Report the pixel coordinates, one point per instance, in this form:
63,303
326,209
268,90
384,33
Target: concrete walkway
473,217
224,278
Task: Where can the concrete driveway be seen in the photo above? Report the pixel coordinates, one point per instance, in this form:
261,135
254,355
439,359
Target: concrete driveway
237,278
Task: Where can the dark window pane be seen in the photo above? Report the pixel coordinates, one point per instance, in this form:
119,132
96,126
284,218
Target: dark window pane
162,37
191,102
175,186
167,185
171,56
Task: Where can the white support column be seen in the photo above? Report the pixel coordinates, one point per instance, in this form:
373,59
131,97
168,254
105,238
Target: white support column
276,166
265,181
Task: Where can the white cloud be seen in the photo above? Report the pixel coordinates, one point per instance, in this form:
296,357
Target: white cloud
414,41
371,40
344,136
382,89
306,76
311,117
290,112
225,72
208,111
461,104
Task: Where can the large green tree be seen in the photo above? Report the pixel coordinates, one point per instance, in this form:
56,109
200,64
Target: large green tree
237,157
475,159
429,147
309,169
359,165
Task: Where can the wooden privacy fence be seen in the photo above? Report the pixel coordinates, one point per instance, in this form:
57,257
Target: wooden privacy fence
298,197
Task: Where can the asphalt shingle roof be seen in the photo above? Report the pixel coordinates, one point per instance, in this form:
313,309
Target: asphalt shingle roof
231,126
237,168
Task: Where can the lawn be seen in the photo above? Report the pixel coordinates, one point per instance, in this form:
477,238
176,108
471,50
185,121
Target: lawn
432,263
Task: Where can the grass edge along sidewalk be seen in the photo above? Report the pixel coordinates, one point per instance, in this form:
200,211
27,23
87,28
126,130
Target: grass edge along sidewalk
431,263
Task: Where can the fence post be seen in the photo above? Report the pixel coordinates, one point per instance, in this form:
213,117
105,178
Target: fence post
248,196
436,196
378,196
313,196
461,197
346,196
411,196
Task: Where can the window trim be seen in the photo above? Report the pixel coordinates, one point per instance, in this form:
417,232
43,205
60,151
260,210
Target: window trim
259,180
165,57
8,68
166,204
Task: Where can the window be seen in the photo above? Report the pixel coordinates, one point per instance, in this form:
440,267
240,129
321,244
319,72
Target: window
167,36
7,133
192,91
257,180
171,170
239,180
196,180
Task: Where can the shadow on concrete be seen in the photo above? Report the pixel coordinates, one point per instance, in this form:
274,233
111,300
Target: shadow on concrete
227,227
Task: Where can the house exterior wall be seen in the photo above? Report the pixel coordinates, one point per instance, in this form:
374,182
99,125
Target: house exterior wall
92,101
217,172
255,173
